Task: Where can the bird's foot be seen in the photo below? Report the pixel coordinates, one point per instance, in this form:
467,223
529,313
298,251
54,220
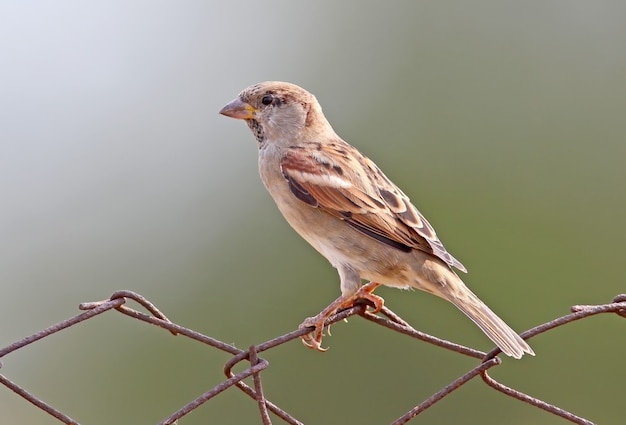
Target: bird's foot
365,292
314,338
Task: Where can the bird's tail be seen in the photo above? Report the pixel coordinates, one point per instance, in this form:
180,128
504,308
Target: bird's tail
499,332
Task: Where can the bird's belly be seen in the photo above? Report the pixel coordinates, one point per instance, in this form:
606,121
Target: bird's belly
341,244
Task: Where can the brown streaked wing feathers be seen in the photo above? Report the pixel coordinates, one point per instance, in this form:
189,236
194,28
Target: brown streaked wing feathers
360,194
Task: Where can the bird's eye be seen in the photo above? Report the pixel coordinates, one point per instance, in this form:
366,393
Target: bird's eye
267,99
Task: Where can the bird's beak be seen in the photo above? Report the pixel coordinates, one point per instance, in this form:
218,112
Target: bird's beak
238,109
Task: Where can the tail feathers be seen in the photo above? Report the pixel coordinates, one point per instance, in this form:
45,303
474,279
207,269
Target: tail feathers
499,332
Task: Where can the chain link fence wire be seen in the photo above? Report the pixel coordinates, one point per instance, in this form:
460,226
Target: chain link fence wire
257,365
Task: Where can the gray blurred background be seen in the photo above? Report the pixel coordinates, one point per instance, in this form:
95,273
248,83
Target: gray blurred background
504,122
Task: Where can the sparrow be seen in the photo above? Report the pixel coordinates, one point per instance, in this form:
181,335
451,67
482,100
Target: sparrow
342,204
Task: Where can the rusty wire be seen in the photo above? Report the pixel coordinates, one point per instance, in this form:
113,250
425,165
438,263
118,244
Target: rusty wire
386,318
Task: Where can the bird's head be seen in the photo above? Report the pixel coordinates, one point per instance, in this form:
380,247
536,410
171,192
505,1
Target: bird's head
276,111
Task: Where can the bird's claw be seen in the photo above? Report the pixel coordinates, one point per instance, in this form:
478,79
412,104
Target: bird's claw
365,293
313,339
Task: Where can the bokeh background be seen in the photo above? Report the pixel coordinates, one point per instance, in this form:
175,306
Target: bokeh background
504,122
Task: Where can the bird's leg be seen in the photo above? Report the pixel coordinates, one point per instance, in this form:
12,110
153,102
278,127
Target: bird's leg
314,338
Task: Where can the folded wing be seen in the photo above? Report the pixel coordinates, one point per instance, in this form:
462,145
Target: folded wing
349,186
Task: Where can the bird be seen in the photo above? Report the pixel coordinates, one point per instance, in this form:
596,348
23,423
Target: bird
344,206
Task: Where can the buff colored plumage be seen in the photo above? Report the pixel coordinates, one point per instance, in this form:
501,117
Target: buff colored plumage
347,209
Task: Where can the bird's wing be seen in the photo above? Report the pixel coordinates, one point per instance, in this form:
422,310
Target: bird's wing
349,186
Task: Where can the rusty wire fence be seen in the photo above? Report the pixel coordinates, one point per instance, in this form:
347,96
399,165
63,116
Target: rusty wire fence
270,412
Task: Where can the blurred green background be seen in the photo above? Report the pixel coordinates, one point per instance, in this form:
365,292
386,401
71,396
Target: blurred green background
504,121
